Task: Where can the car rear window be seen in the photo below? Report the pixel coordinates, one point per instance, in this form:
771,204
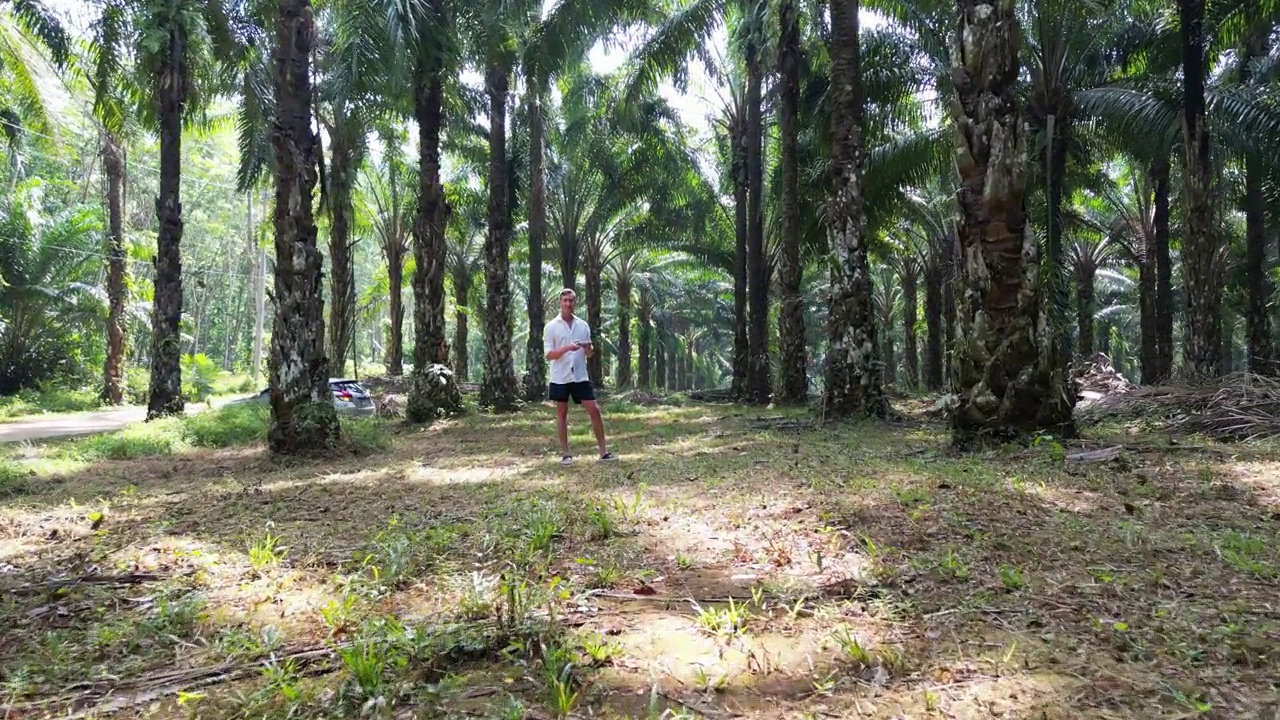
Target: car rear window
347,387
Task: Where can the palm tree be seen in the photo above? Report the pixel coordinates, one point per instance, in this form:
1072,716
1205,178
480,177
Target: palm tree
853,376
393,208
302,414
1261,354
465,256
1200,249
179,47
45,291
794,383
1000,369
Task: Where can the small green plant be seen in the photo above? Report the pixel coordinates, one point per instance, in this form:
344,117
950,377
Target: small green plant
931,700
338,613
599,650
952,566
601,519
199,373
683,562
726,621
266,551
1011,577
852,649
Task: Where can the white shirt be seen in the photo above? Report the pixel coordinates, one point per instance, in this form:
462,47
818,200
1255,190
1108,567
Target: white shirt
570,367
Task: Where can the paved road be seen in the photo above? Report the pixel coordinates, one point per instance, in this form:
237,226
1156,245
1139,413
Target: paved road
84,423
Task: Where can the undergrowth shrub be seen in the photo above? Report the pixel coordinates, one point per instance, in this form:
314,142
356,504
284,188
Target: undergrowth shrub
14,481
55,400
239,424
365,436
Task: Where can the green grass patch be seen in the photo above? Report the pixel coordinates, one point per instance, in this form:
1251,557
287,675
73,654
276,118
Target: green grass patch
38,402
14,481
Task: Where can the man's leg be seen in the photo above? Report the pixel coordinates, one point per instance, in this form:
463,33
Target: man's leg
562,426
597,425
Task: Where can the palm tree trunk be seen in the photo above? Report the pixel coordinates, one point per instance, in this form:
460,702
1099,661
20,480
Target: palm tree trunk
165,397
791,329
1085,273
890,374
910,316
535,360
1147,307
624,332
1057,270
461,301
499,390
1002,368
853,384
395,300
660,357
569,247
1200,248
758,380
342,287
117,278
741,349
933,318
429,345
595,312
646,337
1260,290
303,418
1164,271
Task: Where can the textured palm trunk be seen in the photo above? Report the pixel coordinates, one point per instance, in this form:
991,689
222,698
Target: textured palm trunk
165,396
660,357
741,348
1164,271
1085,307
910,316
1058,125
1147,309
535,361
342,284
569,262
933,318
791,330
395,276
117,278
303,418
461,301
890,374
1200,249
624,332
429,345
1260,290
646,338
499,390
758,381
595,312
853,382
1002,366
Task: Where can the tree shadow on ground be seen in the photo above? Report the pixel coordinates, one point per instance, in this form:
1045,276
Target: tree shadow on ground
1001,584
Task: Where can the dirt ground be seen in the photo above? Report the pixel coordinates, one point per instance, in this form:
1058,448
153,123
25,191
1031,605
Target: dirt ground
730,565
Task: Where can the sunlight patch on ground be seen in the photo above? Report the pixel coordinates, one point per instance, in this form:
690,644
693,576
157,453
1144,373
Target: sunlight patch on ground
1072,500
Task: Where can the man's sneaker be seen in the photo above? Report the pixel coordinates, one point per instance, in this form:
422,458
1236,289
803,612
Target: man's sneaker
608,457
566,460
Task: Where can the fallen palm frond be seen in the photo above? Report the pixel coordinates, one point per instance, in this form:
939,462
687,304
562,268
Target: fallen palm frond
1237,407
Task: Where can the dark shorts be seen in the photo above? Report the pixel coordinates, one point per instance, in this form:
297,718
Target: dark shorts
579,391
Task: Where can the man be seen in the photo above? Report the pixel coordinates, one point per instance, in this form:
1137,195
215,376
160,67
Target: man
567,341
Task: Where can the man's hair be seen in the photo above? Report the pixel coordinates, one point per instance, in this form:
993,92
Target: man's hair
568,291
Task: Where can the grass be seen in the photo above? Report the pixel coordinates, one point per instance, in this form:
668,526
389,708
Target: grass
727,564
27,403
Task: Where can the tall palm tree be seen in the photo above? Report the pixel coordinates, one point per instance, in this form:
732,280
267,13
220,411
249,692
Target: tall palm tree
1200,249
388,189
303,418
183,48
793,387
853,377
1000,370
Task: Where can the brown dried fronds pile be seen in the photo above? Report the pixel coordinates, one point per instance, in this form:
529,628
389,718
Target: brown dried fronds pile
1236,407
